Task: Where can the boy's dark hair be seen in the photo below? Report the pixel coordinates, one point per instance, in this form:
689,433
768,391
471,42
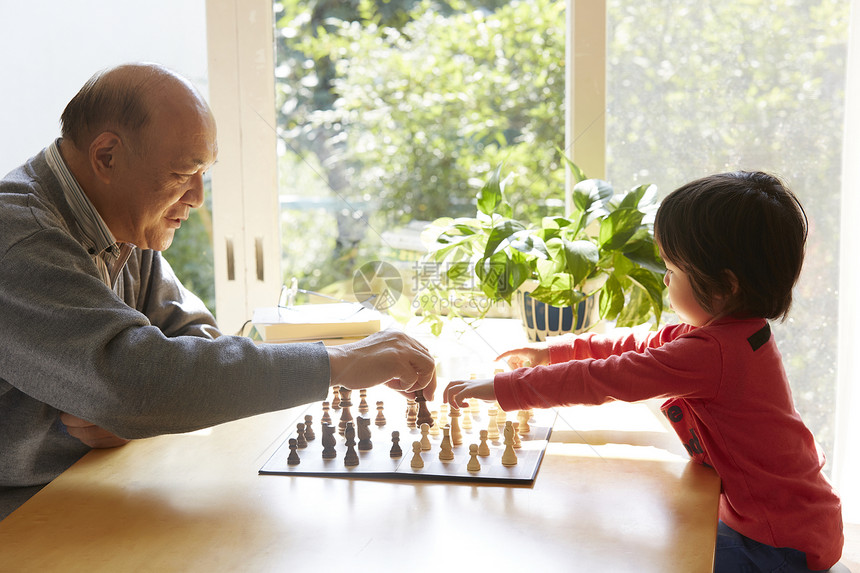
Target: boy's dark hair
746,226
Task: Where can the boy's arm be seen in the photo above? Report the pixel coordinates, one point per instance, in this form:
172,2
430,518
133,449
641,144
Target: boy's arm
689,366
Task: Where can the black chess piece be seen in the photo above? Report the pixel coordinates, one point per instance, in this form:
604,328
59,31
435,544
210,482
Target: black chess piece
351,457
293,459
328,442
396,452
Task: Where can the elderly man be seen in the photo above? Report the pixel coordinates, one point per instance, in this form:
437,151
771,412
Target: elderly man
100,341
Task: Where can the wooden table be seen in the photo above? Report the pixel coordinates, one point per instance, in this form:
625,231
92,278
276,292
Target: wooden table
615,493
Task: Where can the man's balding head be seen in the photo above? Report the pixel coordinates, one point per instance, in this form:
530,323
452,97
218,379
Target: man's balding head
123,99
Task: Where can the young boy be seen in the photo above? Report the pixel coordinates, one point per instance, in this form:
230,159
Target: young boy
733,245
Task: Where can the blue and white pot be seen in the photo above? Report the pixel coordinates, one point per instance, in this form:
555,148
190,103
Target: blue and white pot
541,320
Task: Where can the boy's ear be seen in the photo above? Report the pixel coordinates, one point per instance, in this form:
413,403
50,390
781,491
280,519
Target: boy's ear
732,280
103,155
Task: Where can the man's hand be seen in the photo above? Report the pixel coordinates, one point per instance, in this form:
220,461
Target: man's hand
389,357
89,433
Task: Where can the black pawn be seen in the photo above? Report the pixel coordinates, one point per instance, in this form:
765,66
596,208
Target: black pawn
301,442
293,459
380,417
351,457
309,431
396,452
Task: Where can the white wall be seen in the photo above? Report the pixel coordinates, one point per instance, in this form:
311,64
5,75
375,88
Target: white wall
49,48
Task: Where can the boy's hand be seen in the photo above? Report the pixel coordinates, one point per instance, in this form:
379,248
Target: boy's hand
534,355
458,391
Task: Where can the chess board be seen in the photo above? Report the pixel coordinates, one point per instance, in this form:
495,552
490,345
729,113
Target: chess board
378,463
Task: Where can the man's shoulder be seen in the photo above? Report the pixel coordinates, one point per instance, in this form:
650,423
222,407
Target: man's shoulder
29,203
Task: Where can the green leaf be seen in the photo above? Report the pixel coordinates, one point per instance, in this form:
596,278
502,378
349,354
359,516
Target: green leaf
611,298
652,285
528,244
617,228
580,258
500,234
636,310
642,250
491,196
592,195
577,173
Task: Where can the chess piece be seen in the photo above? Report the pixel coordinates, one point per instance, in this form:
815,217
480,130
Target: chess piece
474,464
509,456
501,416
434,427
443,415
483,448
345,397
417,463
335,401
492,427
447,452
475,408
518,443
301,442
411,414
309,430
362,404
350,459
456,434
293,459
380,417
523,418
328,442
424,416
326,417
364,443
345,414
467,419
425,440
395,452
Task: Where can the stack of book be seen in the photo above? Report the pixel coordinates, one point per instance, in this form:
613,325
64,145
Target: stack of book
336,323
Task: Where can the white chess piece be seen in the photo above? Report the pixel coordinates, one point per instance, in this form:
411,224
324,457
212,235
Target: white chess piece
509,457
474,465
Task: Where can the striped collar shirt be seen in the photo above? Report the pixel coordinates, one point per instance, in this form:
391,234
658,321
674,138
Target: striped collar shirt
108,255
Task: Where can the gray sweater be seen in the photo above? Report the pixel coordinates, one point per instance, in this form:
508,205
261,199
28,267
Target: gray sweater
144,362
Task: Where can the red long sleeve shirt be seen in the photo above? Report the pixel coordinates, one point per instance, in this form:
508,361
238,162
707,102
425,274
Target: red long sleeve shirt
728,399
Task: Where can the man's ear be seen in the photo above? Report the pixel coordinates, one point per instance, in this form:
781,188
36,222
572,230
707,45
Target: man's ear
103,152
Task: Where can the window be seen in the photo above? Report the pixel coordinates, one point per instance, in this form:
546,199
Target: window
690,88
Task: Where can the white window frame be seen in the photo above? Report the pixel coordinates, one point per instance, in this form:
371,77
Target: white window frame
245,193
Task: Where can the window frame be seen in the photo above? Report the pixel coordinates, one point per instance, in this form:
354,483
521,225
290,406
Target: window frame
245,194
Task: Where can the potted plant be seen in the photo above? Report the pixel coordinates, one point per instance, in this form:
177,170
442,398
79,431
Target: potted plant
602,254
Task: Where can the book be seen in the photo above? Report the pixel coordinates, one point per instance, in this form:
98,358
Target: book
300,323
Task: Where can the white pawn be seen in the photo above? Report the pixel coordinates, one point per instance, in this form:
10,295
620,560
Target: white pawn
474,408
474,465
447,452
434,428
467,420
509,457
443,415
501,416
493,427
523,418
518,443
425,440
417,463
483,449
